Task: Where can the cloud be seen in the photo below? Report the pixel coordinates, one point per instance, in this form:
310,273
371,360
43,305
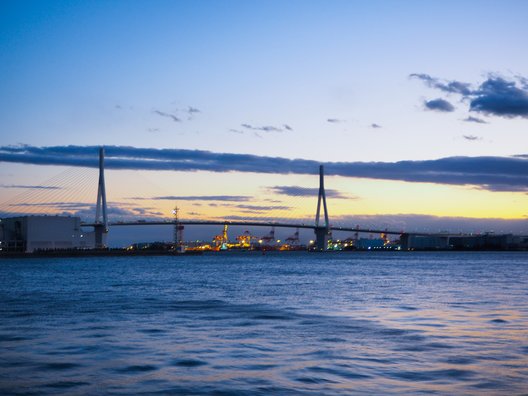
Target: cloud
263,207
269,219
439,105
266,128
191,111
298,191
487,172
429,223
474,119
495,96
236,131
230,198
84,210
523,81
21,186
287,127
58,205
471,137
334,120
153,130
168,115
375,126
502,98
444,85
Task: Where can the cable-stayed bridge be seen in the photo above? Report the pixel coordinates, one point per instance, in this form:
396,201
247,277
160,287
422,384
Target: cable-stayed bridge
320,224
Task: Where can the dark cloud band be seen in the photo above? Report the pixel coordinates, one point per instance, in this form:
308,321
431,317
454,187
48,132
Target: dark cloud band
491,173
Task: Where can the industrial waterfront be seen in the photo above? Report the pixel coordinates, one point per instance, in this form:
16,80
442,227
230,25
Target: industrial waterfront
39,234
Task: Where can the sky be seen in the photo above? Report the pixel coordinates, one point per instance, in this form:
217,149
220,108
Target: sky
418,110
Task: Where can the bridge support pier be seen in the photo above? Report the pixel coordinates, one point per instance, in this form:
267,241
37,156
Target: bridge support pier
100,232
321,239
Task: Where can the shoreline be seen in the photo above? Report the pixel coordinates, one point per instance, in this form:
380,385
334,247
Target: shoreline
128,253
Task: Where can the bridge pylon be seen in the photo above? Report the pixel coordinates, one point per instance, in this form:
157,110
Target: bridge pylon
322,231
101,219
179,246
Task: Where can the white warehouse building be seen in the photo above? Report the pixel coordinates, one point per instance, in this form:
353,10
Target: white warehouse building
31,233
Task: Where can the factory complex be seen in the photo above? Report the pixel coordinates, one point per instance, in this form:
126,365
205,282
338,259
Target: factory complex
44,233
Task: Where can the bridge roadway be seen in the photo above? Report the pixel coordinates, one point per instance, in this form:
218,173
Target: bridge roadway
253,224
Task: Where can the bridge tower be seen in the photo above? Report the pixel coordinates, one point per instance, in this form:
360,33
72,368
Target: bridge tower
178,232
322,231
101,219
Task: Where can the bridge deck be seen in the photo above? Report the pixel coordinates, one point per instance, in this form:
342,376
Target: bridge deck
252,224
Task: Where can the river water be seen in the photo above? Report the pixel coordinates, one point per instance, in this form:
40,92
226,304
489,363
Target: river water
246,324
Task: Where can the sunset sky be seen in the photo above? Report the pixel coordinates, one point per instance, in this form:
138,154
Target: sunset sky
418,110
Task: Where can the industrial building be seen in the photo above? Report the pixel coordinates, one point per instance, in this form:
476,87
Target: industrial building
487,241
424,242
31,233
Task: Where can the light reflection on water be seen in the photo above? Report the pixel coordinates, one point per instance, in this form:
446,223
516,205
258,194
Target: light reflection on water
450,323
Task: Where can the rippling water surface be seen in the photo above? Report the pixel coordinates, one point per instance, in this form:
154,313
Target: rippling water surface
293,323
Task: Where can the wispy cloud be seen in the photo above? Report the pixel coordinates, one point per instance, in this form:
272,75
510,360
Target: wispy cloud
265,128
475,120
229,198
439,104
492,173
496,96
58,205
22,186
471,137
263,207
375,126
299,191
191,112
168,115
270,219
444,85
334,120
84,210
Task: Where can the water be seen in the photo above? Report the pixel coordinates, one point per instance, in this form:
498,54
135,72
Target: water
299,323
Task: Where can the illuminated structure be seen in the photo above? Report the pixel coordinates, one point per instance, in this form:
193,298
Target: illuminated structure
244,240
221,240
385,238
293,239
178,232
268,239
